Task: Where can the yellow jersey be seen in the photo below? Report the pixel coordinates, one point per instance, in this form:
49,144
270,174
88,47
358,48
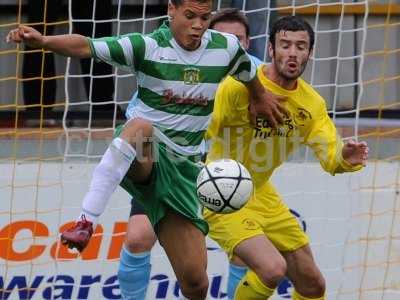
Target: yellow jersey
262,149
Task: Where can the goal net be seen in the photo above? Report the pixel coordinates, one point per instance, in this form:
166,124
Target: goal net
58,115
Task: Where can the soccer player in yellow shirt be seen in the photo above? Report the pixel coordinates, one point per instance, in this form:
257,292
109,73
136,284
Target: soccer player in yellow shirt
264,234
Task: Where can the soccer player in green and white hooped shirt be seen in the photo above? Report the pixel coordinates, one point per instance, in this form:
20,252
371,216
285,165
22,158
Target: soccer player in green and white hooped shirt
179,67
135,258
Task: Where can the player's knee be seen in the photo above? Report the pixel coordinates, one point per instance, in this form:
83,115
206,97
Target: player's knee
142,241
274,272
317,286
320,285
194,285
136,129
311,285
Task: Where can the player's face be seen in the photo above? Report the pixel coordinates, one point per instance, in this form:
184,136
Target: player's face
291,53
189,21
235,28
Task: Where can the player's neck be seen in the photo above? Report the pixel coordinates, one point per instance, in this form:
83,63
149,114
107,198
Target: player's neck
272,74
191,48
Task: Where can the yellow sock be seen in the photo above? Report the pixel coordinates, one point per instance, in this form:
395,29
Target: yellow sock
297,296
252,288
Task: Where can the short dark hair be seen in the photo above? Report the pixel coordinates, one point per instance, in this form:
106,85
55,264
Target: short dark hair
180,2
291,23
230,15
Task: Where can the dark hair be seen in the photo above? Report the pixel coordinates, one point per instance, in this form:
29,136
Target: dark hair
291,23
180,2
230,15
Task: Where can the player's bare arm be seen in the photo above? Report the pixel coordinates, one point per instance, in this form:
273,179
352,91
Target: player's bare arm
266,104
73,45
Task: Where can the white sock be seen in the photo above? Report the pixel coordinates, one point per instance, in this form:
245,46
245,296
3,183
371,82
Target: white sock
106,177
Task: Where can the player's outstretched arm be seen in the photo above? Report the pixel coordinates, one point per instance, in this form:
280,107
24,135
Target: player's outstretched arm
73,45
334,156
355,153
265,104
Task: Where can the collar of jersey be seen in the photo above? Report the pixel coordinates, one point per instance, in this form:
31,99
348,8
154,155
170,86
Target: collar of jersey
269,83
166,30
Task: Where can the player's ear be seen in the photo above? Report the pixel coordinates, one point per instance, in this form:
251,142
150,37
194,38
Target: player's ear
247,43
171,10
311,52
270,50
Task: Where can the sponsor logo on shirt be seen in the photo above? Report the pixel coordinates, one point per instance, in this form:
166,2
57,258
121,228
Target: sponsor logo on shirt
170,98
263,130
167,58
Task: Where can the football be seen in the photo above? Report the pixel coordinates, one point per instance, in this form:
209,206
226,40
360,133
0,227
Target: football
224,186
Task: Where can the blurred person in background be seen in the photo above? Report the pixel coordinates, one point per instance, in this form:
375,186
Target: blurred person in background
258,23
33,62
41,13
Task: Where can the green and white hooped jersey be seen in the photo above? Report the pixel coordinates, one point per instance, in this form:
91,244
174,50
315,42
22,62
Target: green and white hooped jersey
176,87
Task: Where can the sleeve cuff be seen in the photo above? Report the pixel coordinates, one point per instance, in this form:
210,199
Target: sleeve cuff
253,69
92,50
347,166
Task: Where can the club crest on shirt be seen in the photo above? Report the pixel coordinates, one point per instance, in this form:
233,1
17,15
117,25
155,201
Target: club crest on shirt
301,117
191,76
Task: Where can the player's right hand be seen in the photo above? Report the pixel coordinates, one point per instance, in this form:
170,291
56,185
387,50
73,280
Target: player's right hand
355,153
30,36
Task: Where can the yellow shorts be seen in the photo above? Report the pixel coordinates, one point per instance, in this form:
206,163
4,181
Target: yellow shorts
266,214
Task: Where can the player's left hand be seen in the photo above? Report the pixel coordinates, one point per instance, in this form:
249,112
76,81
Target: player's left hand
355,153
269,106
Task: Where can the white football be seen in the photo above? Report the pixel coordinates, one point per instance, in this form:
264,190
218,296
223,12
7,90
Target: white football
224,186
